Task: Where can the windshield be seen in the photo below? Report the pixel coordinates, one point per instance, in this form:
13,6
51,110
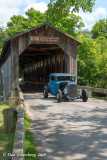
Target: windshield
67,78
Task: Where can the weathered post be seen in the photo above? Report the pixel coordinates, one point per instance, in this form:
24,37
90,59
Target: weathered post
14,100
9,121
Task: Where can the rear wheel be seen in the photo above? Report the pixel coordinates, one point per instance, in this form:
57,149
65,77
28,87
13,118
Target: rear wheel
59,96
45,92
84,95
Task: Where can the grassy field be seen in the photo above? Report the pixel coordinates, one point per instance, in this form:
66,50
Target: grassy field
6,140
29,142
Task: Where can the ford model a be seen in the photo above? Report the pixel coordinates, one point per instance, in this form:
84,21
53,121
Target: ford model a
64,86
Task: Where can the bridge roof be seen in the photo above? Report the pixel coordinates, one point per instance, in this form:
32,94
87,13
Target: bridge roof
78,42
7,41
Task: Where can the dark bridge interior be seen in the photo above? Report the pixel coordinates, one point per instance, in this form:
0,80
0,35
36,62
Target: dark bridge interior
38,52
39,60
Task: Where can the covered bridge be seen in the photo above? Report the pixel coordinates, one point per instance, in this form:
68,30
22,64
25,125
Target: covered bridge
39,51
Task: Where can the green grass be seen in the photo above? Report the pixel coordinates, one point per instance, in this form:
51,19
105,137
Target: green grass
99,95
27,122
6,139
3,106
29,142
103,98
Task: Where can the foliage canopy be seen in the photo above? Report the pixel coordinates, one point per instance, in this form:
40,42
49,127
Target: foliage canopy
100,28
92,62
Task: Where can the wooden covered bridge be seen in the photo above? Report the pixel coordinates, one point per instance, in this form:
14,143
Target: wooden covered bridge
39,51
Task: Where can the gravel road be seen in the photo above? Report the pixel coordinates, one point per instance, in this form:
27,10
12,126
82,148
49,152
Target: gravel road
73,130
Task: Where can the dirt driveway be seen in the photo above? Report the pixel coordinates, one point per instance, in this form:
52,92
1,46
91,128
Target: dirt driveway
68,130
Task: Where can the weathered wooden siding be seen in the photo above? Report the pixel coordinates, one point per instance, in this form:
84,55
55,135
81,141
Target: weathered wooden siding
68,45
6,67
63,62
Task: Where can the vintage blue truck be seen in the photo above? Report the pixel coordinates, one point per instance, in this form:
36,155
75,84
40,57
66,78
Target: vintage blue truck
64,86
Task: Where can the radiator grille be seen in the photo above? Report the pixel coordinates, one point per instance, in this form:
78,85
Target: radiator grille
72,91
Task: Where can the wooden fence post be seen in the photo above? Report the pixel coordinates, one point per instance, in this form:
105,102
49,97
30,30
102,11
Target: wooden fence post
9,121
13,102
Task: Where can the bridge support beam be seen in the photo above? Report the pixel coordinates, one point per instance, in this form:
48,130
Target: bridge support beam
15,62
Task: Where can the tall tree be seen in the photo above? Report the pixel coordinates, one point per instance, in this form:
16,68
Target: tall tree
100,28
34,17
20,24
3,36
69,24
92,62
87,61
16,25
62,8
101,80
85,32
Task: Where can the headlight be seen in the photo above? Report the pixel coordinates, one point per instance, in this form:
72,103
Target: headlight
79,92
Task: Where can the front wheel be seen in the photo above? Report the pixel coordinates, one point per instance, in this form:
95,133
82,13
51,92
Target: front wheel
59,96
45,92
84,95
